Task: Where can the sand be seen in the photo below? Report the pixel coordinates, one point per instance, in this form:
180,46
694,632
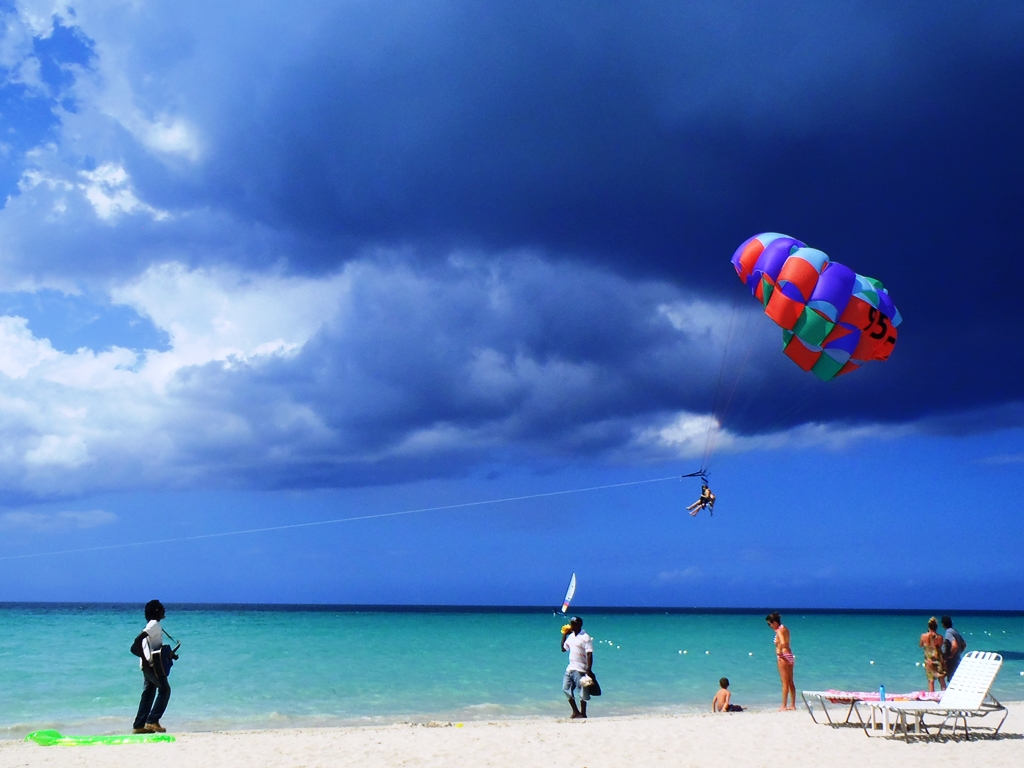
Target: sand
777,739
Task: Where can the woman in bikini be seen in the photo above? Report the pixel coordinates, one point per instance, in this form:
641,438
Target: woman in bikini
785,658
934,664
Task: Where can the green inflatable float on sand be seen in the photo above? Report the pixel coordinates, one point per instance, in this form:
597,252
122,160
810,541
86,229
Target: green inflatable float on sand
57,739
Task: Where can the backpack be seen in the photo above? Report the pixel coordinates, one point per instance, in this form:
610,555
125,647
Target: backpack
168,655
136,648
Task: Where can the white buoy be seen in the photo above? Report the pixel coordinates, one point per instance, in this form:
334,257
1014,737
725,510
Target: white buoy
750,654
707,653
917,663
680,653
1022,674
872,661
618,646
685,651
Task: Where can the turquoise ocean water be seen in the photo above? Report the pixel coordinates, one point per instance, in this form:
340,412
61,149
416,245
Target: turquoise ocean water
68,667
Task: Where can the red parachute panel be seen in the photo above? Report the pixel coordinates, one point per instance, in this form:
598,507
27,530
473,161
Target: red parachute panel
784,310
801,274
748,258
801,355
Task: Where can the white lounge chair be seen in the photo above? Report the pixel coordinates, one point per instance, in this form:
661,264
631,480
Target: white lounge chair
967,696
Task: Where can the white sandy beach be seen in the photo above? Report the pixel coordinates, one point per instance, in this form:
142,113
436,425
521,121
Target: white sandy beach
743,739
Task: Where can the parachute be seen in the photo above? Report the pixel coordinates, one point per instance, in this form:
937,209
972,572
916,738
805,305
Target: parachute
832,319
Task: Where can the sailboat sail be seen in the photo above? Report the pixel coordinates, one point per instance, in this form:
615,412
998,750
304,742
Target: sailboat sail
569,593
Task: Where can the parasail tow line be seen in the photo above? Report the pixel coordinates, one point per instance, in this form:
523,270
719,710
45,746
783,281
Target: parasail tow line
338,520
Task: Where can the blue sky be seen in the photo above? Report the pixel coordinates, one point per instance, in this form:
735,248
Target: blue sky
274,265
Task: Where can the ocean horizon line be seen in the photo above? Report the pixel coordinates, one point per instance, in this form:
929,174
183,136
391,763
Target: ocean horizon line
272,607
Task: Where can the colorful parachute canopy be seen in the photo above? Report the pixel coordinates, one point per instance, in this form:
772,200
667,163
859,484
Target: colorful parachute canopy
832,319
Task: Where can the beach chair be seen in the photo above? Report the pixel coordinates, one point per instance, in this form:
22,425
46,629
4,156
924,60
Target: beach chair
967,696
848,699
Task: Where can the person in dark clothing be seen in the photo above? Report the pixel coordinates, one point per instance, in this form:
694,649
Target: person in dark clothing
155,684
953,647
706,500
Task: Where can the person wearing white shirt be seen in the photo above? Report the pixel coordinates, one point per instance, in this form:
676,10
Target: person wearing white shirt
580,648
155,684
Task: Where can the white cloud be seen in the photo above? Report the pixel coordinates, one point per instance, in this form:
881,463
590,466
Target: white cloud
108,93
49,522
1003,459
38,15
20,351
59,450
136,104
680,575
54,190
702,320
109,190
34,177
442,437
220,314
687,435
87,419
168,135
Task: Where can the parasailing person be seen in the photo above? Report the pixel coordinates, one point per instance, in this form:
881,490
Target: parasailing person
707,499
833,320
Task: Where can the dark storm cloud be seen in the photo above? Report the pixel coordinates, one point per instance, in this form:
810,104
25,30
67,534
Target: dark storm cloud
655,140
435,371
649,140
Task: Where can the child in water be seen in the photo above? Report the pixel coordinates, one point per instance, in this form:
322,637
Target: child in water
721,702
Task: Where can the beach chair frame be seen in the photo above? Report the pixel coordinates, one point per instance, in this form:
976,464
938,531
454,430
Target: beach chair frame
909,721
967,697
824,698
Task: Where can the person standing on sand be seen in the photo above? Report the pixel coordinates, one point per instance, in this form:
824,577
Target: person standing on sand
785,658
154,676
581,661
934,664
953,647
